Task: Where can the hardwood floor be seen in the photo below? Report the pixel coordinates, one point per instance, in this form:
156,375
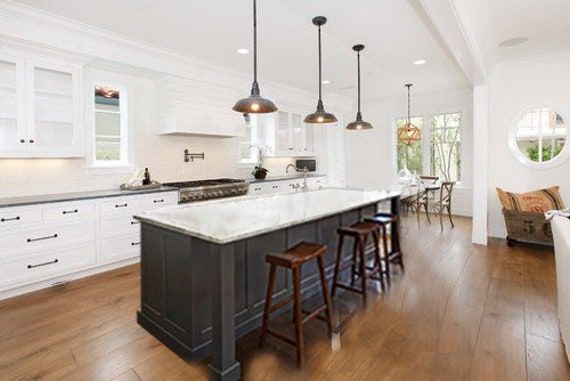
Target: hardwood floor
459,312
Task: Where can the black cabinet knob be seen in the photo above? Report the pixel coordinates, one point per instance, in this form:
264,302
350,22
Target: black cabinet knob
31,140
22,141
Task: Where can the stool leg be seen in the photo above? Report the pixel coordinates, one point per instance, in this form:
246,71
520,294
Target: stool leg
267,307
337,264
386,253
377,258
395,237
298,316
354,260
362,249
326,295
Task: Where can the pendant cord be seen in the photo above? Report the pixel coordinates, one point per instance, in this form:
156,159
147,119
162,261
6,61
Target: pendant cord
409,119
358,60
254,41
320,67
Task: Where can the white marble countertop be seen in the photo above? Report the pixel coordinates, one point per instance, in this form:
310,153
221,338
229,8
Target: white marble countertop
229,220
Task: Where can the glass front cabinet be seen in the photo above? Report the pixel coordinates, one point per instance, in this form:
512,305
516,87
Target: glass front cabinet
40,108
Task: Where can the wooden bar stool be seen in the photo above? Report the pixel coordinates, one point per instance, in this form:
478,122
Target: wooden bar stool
293,259
383,220
360,231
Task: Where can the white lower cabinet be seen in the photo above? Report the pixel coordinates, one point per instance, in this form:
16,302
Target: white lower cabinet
49,242
122,247
37,265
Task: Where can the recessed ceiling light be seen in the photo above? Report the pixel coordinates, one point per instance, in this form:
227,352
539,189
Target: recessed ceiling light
326,82
242,51
513,42
419,62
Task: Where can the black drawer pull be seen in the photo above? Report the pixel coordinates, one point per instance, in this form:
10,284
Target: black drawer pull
257,189
31,140
70,211
121,205
135,222
42,238
43,264
275,186
10,219
135,243
157,201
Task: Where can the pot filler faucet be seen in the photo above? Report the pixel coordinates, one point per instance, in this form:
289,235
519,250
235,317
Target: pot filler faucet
305,170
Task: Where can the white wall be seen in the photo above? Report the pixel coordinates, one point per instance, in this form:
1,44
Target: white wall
371,156
513,87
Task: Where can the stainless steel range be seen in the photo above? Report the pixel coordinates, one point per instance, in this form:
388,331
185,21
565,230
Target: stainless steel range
199,190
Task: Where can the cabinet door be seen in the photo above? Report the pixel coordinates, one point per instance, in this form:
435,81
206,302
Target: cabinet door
296,133
282,134
12,101
308,146
54,110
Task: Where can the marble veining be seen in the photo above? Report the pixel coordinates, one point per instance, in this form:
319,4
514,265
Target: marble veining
228,220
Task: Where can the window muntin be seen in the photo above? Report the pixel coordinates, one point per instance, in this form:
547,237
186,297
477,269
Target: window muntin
110,133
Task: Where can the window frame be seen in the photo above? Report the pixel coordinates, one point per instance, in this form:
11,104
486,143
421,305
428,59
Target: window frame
426,143
124,126
559,159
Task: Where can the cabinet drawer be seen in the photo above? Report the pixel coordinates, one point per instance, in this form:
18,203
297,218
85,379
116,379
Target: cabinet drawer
46,236
123,205
123,247
57,262
16,217
112,226
159,200
69,211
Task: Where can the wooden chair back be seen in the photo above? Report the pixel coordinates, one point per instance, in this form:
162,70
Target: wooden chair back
446,192
430,179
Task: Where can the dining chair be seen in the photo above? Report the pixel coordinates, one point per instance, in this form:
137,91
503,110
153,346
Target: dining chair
430,179
444,202
419,201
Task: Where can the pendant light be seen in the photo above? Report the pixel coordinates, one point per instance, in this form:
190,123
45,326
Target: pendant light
320,116
358,124
254,104
408,133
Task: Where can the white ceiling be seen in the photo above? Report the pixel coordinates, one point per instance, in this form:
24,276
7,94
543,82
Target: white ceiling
544,22
394,35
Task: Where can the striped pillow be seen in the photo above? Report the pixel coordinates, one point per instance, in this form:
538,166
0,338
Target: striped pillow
538,201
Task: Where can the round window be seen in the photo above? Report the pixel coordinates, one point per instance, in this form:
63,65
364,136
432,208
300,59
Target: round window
538,138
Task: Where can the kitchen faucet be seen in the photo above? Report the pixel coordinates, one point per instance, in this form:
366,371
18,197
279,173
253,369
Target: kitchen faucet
304,170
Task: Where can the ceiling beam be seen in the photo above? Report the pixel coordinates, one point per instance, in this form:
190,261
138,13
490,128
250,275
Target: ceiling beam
444,21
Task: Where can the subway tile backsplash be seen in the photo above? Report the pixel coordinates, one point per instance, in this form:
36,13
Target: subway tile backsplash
163,155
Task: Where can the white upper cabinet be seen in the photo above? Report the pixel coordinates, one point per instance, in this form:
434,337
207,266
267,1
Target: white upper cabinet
198,108
285,134
41,109
12,101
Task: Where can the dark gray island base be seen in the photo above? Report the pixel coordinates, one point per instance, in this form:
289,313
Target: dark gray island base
199,296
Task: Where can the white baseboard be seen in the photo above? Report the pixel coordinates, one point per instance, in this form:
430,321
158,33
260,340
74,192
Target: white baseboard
65,278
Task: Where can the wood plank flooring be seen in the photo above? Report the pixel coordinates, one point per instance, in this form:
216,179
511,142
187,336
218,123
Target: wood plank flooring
460,312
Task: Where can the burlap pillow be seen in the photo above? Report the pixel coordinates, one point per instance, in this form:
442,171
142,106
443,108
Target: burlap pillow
538,201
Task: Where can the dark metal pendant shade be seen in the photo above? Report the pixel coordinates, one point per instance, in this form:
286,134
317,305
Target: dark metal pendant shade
255,103
358,124
320,116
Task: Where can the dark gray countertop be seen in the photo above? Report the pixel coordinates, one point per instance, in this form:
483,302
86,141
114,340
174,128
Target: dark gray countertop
282,178
61,197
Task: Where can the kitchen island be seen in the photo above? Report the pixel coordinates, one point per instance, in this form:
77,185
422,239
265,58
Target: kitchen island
203,270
